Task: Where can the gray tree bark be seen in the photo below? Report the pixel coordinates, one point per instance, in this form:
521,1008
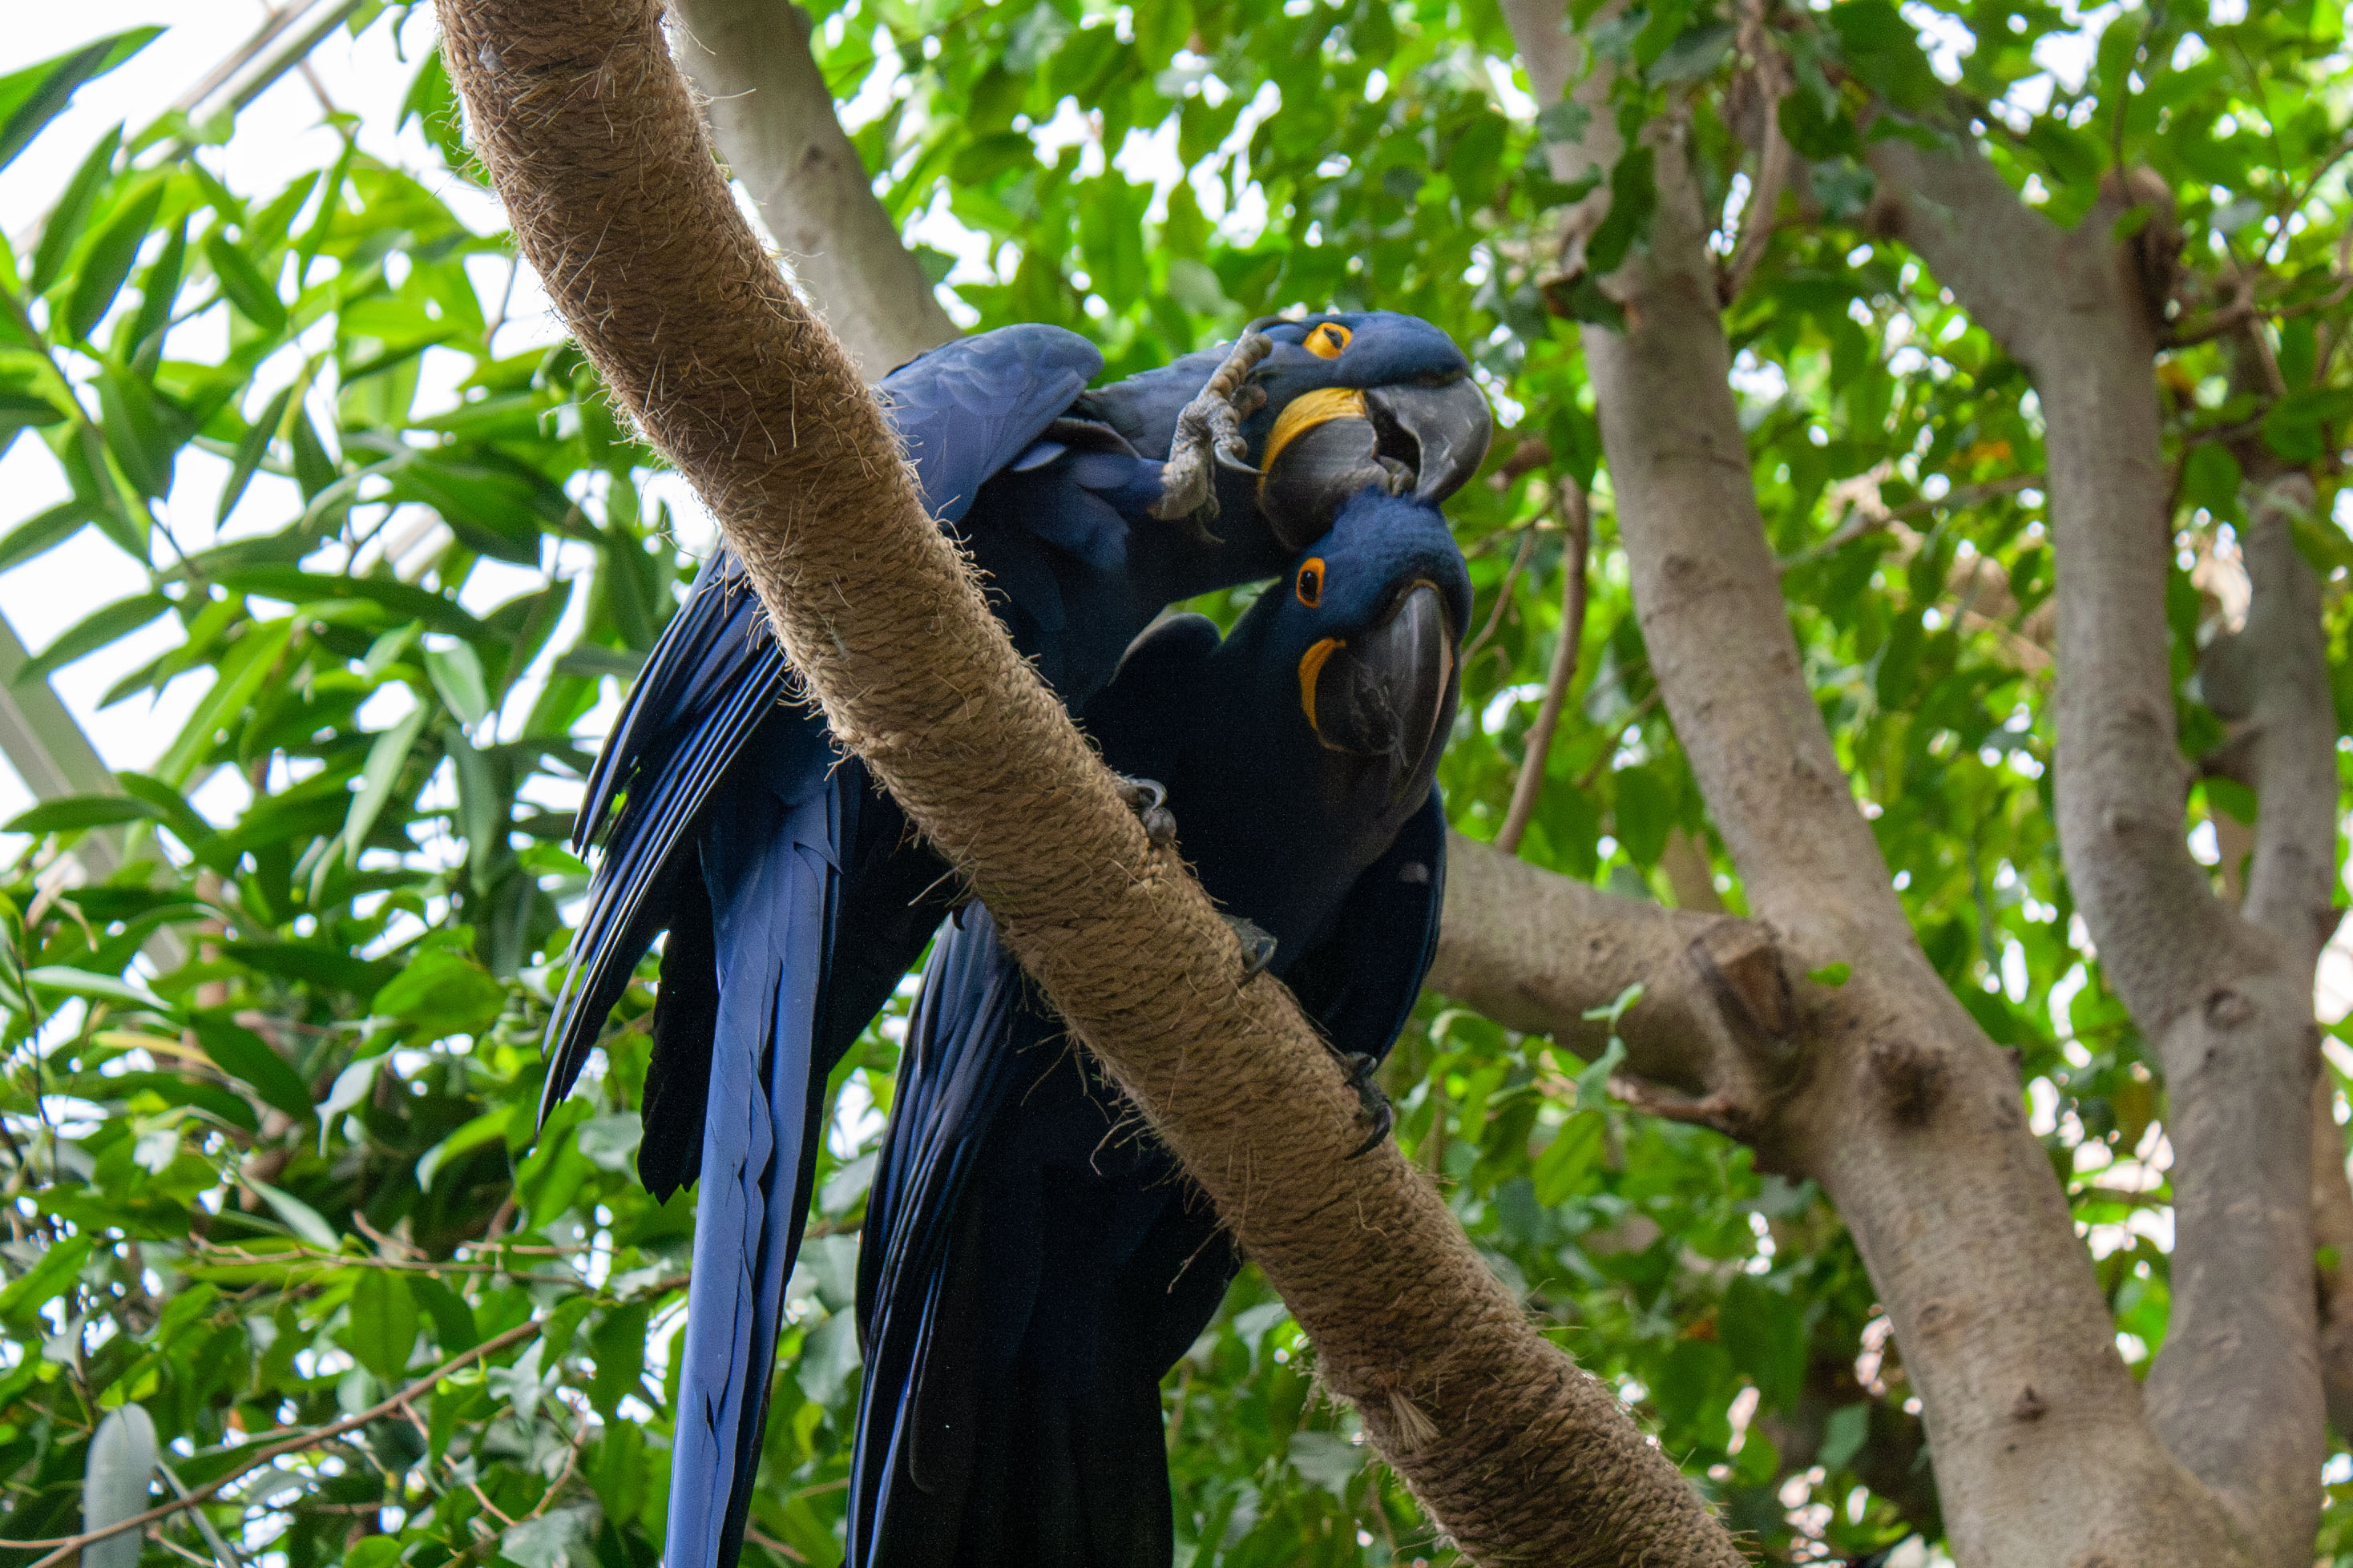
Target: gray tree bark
775,123
2225,998
1906,1112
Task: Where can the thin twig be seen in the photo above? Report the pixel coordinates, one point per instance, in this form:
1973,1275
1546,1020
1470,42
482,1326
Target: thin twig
1861,521
1502,596
66,1545
1576,507
1634,715
771,1544
1757,216
222,1552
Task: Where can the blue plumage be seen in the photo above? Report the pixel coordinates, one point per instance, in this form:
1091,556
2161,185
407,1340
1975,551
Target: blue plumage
1033,1261
794,894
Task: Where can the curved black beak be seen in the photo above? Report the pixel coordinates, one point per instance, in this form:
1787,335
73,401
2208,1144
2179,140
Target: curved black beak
1316,471
1387,692
1441,432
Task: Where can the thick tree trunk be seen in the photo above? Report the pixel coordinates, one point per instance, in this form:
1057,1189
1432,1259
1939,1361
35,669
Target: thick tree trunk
775,125
2225,999
1895,1101
590,136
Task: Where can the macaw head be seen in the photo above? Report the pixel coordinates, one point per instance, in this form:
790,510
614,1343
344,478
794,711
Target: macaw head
1363,639
1351,395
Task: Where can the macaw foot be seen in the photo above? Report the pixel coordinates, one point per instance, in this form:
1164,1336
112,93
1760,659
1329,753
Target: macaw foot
1258,945
1376,1106
1148,798
1208,432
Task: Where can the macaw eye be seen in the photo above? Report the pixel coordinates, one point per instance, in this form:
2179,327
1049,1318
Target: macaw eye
1310,588
1326,340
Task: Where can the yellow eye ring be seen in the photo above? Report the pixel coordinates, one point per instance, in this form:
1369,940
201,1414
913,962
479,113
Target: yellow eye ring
1326,340
1310,586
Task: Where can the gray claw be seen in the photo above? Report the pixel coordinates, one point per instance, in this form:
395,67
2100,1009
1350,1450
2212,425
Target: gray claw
1208,431
1258,946
1148,798
1374,1105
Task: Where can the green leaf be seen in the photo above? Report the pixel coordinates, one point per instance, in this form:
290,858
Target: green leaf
31,98
93,632
315,467
2210,479
1562,1167
26,411
74,812
385,759
115,1480
457,675
58,1269
248,664
137,431
251,447
160,289
99,987
481,1129
1633,197
618,1344
253,295
108,262
291,585
1830,974
1694,55
453,1324
170,809
383,1323
66,220
350,1091
1325,1459
1765,1330
298,1216
440,993
44,532
247,1057
1843,1435
1593,1083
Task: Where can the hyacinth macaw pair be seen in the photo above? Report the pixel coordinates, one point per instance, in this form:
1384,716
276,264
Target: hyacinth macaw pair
1020,1296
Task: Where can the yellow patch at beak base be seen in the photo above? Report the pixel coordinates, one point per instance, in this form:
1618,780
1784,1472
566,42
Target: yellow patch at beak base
1311,664
1305,412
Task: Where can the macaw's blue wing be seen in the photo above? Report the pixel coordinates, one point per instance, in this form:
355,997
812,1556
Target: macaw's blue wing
1037,1265
794,901
712,680
716,676
772,894
1035,1261
968,410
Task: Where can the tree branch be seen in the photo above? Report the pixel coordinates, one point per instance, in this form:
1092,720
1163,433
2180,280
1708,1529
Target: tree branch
1536,950
773,121
590,136
1908,1115
2235,1393
66,1545
1528,787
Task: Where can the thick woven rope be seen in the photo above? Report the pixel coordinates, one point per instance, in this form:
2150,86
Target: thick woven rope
618,202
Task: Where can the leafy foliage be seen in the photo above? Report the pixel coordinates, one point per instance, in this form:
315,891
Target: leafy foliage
268,1094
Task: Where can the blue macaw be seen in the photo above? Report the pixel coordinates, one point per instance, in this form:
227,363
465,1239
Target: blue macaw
794,896
1033,1262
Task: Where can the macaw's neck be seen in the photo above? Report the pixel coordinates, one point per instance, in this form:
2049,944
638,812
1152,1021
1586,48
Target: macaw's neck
1177,564
1277,826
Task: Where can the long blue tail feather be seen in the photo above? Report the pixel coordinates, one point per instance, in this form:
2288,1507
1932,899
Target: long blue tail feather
771,901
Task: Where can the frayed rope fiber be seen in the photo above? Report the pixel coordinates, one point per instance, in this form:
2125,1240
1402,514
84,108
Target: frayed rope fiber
594,142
